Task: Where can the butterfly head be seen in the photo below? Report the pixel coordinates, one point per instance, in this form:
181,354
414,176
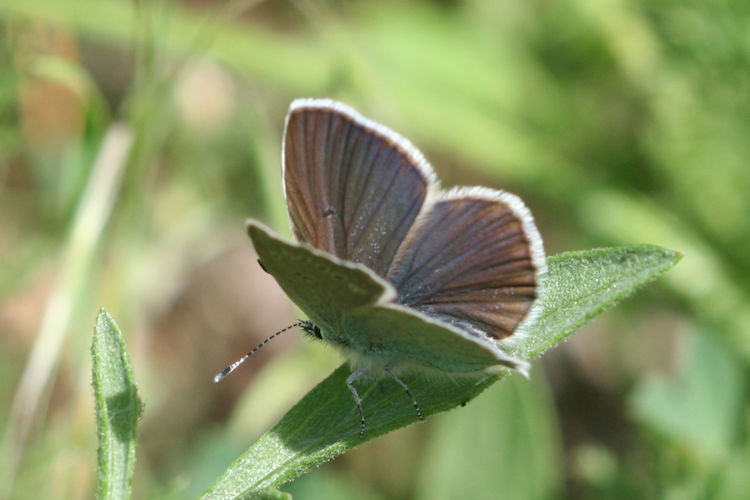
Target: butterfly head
312,329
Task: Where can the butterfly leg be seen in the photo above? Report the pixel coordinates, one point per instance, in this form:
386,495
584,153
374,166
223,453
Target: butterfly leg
350,384
408,393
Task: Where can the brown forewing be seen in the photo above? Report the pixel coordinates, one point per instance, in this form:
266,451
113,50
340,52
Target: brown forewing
351,190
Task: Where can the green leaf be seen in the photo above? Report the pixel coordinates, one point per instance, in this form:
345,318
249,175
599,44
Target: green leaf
580,285
325,423
117,409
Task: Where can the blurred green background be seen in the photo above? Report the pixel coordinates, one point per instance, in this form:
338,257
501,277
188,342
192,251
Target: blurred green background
135,137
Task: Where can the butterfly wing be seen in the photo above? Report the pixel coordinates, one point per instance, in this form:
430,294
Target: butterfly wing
322,285
353,307
401,337
353,187
473,261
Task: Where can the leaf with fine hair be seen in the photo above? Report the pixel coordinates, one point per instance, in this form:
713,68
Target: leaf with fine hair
117,409
325,423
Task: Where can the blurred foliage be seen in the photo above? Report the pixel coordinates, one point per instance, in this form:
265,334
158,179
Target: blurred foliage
617,121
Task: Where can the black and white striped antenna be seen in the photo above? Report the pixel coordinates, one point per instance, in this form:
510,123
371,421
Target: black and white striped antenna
306,325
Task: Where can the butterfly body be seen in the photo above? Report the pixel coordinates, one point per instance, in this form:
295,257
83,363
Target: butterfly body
395,272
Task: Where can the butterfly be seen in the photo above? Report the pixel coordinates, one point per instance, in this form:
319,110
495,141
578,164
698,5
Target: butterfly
395,272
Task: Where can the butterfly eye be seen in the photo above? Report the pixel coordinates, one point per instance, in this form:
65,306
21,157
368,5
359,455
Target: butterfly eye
312,329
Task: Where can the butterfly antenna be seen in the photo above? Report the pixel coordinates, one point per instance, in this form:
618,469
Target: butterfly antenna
229,369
